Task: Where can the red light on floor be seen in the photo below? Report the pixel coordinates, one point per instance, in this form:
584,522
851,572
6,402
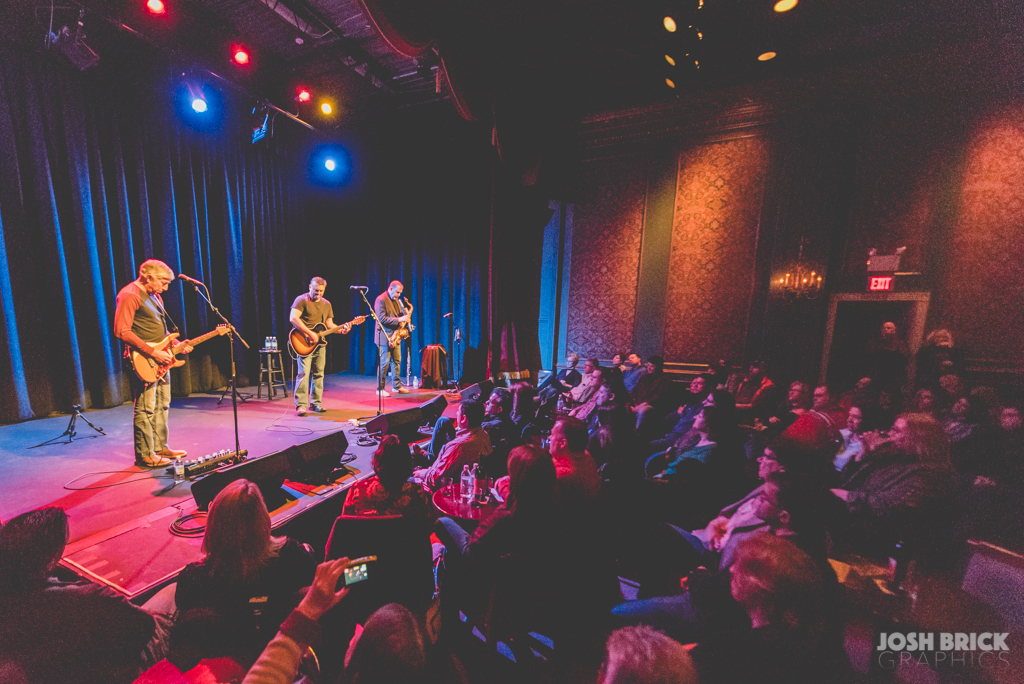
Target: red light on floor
303,96
241,57
156,6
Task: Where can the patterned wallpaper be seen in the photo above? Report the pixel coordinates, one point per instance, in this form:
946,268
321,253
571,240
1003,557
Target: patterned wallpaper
607,230
984,293
714,233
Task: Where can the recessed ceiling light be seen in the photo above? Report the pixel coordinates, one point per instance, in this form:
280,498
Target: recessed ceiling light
670,83
765,56
298,40
785,5
668,58
670,24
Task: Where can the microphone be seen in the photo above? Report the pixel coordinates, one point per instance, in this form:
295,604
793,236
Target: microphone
182,276
447,315
358,287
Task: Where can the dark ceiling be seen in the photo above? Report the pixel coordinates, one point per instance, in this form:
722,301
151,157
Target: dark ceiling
571,54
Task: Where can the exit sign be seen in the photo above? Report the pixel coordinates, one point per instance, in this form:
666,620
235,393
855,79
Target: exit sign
879,283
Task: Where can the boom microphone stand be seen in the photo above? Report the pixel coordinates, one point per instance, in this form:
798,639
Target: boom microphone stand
232,334
380,326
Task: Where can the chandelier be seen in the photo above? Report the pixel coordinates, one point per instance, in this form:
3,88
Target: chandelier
800,280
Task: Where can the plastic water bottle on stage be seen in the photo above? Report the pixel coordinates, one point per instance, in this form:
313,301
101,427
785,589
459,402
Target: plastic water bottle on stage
179,471
466,485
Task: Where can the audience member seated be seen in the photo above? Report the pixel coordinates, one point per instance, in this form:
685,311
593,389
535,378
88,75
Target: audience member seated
938,356
578,479
898,490
756,395
642,655
203,648
561,382
925,401
651,394
853,445
61,632
524,410
392,647
632,372
248,576
470,444
584,410
388,491
581,393
709,424
501,429
792,634
684,416
798,402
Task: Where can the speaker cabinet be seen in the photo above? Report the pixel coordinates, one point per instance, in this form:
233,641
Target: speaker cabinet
267,472
433,409
480,389
317,457
402,423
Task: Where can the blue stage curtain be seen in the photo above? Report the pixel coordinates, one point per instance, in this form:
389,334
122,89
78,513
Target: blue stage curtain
95,178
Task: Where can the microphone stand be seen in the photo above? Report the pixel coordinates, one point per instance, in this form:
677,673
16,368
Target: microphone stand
380,326
232,334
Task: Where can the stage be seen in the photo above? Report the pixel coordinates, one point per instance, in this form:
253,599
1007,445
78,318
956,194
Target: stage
120,514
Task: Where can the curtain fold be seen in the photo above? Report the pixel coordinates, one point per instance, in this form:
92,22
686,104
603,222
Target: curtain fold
96,177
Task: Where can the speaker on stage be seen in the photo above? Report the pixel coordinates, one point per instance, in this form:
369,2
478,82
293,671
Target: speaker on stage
481,389
267,472
402,422
317,457
433,409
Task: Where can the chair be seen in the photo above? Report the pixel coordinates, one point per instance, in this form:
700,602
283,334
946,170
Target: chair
404,570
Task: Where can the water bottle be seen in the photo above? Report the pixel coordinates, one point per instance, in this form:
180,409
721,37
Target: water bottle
466,485
415,382
179,471
479,484
273,342
266,343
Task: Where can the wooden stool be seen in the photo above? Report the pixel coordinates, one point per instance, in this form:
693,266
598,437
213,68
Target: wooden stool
271,373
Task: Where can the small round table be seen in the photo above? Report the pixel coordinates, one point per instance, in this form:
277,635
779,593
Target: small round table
446,502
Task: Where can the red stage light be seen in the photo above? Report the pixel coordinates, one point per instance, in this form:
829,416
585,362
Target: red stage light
241,56
156,6
304,95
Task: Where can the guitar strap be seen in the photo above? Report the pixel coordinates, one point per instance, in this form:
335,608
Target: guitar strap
166,316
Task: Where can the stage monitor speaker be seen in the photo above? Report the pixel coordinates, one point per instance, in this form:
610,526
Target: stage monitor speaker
267,472
317,457
433,409
402,422
480,389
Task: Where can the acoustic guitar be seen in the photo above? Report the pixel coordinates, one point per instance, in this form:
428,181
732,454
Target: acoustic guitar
149,370
303,346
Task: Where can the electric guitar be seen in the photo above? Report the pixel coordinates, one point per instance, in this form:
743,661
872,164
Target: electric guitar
149,370
402,333
303,346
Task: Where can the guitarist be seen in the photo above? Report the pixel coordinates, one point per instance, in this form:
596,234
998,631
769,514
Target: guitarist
308,310
140,321
392,315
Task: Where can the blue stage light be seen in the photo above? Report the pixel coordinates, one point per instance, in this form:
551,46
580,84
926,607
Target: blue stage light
199,105
329,165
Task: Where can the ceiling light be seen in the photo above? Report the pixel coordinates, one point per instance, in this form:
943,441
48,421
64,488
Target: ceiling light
303,95
326,108
241,56
298,40
670,83
330,165
156,6
765,56
199,105
670,24
785,5
669,59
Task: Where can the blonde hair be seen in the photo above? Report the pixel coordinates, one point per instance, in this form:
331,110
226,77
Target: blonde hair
926,439
643,654
154,266
238,543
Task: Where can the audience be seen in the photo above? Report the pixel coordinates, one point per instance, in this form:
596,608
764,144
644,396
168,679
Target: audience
58,632
753,587
389,490
642,655
469,444
247,576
